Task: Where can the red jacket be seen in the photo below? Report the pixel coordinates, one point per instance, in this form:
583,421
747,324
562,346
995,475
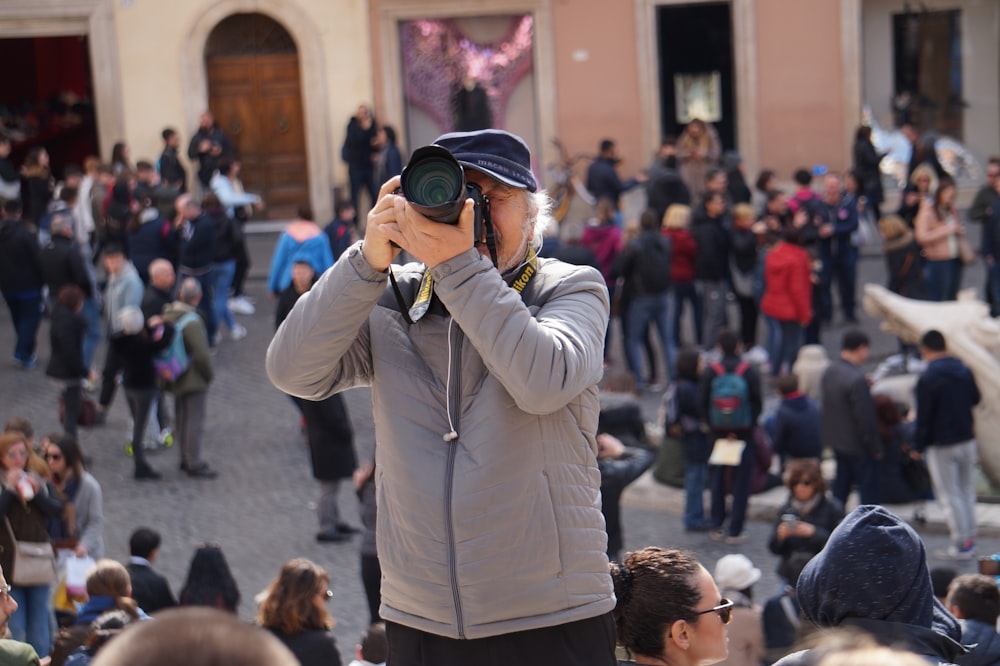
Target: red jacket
684,248
787,284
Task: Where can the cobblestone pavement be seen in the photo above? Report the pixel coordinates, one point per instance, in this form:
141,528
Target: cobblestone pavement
260,509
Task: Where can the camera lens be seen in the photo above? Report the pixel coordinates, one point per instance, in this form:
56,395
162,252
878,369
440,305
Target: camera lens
433,181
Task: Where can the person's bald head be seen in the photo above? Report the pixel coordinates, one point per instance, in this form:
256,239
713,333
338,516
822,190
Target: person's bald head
161,274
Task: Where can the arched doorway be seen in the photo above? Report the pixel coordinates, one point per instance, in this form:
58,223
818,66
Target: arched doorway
254,92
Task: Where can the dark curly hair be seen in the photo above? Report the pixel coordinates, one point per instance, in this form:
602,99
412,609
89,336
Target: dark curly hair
655,587
210,581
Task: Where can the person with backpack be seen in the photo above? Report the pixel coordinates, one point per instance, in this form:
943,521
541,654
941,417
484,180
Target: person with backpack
645,265
190,387
730,401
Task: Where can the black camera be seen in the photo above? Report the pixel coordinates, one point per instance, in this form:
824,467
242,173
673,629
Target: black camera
434,183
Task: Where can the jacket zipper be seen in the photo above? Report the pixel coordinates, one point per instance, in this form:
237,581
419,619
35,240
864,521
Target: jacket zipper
454,381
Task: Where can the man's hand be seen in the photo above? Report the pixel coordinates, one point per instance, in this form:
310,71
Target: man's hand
377,247
396,221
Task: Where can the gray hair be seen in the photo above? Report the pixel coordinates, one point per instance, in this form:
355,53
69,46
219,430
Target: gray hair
130,320
540,210
190,291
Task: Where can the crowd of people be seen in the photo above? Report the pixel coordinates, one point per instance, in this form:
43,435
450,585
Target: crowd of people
485,354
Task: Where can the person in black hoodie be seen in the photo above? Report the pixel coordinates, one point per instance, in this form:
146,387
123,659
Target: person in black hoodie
946,395
711,266
228,241
66,364
872,576
21,280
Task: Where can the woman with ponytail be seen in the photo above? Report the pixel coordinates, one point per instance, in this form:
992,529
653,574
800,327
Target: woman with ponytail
108,588
669,609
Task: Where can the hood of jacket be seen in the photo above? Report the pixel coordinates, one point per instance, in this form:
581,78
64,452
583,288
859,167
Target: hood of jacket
873,567
302,230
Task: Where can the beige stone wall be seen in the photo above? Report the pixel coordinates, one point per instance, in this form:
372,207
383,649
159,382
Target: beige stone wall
163,78
801,86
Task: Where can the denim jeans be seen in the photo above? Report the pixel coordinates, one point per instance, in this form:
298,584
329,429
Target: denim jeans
695,481
224,273
92,313
642,311
31,622
941,279
845,269
784,340
686,291
858,470
26,315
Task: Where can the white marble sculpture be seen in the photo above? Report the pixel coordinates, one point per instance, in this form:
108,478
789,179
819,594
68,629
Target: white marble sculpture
972,336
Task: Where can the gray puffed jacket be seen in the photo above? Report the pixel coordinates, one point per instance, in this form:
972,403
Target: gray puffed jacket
500,529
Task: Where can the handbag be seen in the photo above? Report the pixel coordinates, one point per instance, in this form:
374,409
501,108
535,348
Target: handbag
88,411
34,561
915,473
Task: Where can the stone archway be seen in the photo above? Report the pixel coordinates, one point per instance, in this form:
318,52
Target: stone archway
313,83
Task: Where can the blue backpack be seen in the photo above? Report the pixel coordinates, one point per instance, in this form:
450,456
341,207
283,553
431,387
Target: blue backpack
729,399
174,361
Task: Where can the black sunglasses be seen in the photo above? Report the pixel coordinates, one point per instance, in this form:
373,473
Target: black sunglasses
724,609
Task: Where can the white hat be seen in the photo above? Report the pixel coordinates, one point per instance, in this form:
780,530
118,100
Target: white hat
735,572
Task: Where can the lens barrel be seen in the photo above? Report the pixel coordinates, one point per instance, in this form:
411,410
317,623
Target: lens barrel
434,183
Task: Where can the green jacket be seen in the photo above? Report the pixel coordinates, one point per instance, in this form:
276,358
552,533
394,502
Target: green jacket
199,373
15,653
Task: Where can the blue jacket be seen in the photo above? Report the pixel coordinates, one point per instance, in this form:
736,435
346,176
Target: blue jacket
300,240
946,393
986,640
796,428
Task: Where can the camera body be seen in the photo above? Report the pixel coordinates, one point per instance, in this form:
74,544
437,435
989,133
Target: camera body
434,183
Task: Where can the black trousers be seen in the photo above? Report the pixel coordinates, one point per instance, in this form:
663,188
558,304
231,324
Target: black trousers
371,578
589,642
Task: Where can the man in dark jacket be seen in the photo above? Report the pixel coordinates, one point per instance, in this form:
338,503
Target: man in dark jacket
149,589
620,465
21,280
172,172
602,175
975,600
946,394
665,186
645,265
197,254
872,576
209,145
848,424
711,268
841,211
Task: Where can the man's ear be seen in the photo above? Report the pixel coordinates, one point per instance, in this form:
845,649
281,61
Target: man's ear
680,634
956,611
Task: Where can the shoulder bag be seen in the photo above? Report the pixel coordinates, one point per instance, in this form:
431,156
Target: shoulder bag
34,561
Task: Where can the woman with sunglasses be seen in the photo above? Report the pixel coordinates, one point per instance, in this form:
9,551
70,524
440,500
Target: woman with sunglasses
669,610
294,610
26,500
81,525
807,517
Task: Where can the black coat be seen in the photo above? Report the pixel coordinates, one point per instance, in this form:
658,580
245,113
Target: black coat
137,352
154,300
712,262
331,438
62,263
19,267
149,589
825,516
312,647
66,332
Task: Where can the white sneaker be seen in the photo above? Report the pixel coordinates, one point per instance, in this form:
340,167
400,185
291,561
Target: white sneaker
238,333
241,305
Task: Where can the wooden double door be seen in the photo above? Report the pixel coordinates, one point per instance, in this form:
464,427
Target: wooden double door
257,101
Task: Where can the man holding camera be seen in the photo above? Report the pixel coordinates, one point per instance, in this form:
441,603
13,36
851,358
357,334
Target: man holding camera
484,388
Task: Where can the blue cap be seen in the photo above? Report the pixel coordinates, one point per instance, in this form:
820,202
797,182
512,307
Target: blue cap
496,153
